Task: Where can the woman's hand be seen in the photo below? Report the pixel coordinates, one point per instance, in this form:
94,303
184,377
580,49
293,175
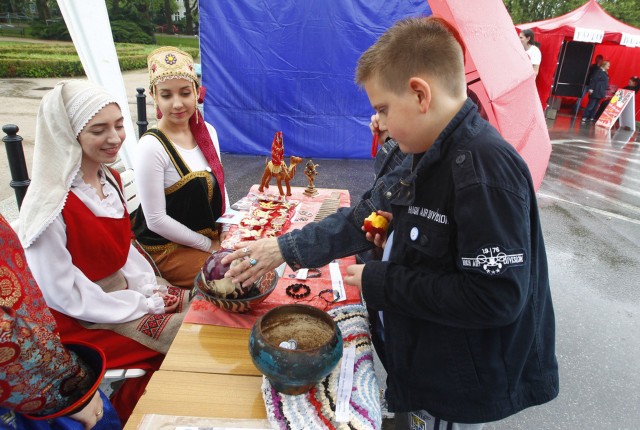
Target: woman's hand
266,254
354,275
379,240
91,413
170,302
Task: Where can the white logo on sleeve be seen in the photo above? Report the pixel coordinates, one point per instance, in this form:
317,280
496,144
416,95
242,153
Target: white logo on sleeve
493,259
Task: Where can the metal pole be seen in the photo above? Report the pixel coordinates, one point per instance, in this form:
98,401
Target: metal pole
17,165
141,101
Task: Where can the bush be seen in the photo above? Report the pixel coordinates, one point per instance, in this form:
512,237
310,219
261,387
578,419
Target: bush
31,60
52,31
37,60
39,68
130,32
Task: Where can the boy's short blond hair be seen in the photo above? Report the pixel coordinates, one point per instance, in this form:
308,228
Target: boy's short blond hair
414,47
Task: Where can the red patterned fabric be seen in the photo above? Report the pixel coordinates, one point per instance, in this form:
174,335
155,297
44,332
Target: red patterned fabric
38,375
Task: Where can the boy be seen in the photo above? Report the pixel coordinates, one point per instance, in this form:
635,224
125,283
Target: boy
465,300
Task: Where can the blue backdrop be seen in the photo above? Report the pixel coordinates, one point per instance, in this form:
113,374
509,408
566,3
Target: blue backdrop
289,65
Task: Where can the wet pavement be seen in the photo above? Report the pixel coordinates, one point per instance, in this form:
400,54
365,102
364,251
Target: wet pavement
590,209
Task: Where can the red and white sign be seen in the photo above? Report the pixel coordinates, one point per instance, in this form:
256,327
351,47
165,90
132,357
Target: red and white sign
622,105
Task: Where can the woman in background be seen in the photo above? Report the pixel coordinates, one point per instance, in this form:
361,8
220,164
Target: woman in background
531,48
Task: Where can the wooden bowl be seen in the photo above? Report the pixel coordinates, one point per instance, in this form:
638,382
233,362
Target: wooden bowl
258,292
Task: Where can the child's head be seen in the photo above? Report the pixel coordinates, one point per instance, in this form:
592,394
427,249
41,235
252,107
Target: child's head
415,67
414,47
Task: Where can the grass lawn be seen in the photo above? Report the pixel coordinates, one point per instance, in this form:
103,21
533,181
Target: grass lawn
177,41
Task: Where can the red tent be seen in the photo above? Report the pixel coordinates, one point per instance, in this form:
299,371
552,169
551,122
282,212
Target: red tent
620,43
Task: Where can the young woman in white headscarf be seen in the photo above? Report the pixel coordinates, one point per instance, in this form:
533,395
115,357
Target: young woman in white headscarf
178,172
76,232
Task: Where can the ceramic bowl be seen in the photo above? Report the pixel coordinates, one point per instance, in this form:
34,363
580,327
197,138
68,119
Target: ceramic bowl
295,347
258,292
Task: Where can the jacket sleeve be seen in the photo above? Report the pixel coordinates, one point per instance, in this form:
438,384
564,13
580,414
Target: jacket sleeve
340,234
318,243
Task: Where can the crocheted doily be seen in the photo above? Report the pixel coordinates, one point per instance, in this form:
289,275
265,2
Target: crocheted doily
316,409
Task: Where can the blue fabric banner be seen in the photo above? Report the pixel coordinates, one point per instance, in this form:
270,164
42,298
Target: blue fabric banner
287,65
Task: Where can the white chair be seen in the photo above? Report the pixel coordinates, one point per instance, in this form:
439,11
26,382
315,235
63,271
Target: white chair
130,190
114,378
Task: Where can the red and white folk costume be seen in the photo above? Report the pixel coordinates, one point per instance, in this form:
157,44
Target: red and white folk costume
98,286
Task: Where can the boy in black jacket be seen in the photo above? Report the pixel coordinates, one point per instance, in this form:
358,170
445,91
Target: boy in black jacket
464,296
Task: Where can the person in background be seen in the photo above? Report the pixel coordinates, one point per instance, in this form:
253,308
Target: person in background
597,91
179,174
76,232
464,282
634,84
43,382
595,66
531,48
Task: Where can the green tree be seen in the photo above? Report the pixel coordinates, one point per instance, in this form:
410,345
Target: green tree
168,16
190,7
627,11
44,13
523,11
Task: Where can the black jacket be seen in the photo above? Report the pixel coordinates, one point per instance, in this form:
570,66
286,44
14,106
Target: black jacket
599,84
468,318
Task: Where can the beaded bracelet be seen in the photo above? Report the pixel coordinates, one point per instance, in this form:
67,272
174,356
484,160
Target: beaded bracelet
292,291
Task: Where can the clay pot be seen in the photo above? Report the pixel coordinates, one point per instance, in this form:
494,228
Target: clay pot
295,347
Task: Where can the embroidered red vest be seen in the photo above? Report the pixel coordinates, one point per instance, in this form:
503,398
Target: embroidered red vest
99,246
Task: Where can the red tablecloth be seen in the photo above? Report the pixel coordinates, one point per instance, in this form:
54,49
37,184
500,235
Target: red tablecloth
203,312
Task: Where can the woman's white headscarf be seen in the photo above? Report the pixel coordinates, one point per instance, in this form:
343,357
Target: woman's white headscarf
63,113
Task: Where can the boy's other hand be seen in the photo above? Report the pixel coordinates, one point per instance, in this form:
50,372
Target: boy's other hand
354,275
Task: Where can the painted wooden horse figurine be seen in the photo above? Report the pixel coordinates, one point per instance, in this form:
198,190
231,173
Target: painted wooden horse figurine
277,168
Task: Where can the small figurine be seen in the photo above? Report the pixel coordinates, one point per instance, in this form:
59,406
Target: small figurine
310,172
277,168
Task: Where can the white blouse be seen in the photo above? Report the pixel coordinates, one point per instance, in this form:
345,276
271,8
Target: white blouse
154,172
67,290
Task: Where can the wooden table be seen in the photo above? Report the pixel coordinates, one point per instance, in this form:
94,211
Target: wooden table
210,349
196,394
207,372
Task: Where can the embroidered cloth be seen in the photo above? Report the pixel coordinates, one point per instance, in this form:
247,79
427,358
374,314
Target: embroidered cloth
316,409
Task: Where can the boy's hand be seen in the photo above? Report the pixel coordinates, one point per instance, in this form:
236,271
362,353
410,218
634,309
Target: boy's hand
354,275
378,239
